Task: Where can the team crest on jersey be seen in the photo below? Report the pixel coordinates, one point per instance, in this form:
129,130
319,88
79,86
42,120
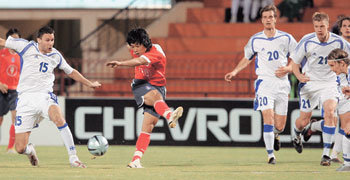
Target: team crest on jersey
12,59
263,49
12,70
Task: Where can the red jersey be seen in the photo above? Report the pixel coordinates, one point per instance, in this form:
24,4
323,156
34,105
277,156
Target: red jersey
154,72
9,68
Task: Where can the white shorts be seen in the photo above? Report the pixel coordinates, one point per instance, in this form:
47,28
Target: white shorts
272,94
31,109
343,106
313,94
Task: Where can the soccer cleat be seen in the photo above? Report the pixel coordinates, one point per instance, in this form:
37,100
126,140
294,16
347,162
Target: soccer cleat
336,160
33,158
307,133
344,168
325,160
277,143
298,145
175,116
11,151
135,164
78,164
272,161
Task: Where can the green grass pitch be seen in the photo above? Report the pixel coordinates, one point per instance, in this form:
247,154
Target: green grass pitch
165,162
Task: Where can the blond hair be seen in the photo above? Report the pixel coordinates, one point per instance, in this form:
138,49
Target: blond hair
320,16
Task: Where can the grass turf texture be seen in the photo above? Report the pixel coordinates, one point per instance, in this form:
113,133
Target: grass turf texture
164,162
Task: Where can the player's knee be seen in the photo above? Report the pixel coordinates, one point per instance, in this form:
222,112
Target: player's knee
60,122
279,128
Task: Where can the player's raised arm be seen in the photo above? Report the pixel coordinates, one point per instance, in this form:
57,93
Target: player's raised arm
128,63
241,65
80,78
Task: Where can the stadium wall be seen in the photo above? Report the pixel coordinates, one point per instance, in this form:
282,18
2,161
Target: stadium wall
205,122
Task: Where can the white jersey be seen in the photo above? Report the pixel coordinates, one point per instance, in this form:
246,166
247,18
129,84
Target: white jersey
311,54
271,53
37,69
343,80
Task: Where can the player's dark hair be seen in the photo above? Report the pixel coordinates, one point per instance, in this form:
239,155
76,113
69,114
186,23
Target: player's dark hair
320,16
269,8
341,20
45,30
139,36
13,31
338,55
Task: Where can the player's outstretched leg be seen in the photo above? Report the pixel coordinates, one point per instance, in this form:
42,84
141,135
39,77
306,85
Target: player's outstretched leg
31,153
174,117
163,109
67,138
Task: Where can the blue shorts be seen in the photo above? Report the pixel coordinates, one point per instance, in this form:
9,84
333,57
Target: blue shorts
8,102
141,87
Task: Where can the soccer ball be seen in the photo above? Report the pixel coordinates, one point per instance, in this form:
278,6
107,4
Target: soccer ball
97,145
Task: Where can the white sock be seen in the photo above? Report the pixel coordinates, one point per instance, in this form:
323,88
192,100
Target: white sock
317,126
327,135
297,131
67,139
29,150
337,148
269,139
346,150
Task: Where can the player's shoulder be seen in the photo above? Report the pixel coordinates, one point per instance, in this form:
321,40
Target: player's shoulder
157,50
10,38
308,37
258,34
283,33
336,36
55,52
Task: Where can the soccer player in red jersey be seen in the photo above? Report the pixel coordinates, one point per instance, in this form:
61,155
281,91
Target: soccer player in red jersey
9,75
148,87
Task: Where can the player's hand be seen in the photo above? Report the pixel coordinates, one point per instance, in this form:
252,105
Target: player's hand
282,71
229,76
113,64
95,84
3,88
346,91
303,78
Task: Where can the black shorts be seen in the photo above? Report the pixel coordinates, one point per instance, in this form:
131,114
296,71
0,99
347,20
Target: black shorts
8,102
140,88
